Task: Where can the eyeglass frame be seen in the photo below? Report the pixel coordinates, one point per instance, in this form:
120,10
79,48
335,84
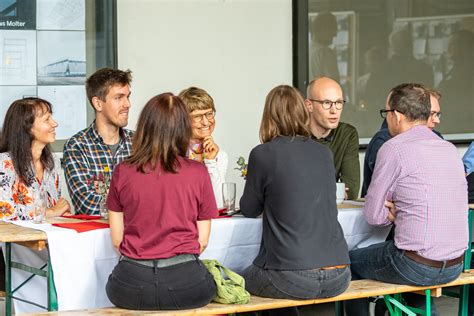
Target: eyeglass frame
198,118
436,114
333,103
383,112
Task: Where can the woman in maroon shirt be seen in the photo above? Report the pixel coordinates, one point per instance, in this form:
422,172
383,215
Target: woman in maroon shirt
161,204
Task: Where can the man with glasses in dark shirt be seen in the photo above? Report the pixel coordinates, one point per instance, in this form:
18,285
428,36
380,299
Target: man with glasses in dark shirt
325,102
382,136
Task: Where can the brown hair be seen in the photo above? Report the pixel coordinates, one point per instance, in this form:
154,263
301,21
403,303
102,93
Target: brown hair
284,114
100,82
412,100
197,99
162,135
16,137
435,93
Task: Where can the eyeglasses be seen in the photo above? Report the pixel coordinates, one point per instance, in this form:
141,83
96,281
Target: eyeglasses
383,113
435,114
327,104
197,118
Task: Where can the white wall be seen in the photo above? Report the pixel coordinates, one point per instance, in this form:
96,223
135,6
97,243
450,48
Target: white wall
237,50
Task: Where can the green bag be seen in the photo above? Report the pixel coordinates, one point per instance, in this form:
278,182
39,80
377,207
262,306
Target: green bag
230,286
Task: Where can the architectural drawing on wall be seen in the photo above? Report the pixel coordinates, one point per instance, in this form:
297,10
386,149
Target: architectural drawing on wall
18,57
8,94
61,57
61,15
65,68
332,48
68,108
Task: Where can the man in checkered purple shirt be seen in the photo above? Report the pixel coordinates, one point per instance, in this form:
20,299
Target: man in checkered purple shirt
419,186
93,152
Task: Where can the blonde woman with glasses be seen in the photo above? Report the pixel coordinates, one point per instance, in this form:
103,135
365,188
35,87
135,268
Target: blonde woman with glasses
202,147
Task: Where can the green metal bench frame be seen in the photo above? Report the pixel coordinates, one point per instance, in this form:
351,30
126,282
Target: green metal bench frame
44,271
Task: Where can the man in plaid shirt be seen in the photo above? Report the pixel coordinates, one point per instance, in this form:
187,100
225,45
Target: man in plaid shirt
91,154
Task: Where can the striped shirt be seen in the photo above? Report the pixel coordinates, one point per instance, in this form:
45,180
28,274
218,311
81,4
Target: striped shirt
85,157
424,176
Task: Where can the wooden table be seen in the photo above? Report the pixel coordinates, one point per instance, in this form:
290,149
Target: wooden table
33,239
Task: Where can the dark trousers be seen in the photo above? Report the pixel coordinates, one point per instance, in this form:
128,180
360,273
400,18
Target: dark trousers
298,284
181,286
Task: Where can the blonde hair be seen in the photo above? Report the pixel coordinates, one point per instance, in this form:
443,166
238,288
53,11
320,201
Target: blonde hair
197,99
285,114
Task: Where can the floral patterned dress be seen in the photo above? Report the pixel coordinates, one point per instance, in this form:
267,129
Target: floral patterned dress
16,198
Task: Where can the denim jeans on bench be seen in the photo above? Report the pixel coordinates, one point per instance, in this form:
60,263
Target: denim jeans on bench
181,286
296,285
384,262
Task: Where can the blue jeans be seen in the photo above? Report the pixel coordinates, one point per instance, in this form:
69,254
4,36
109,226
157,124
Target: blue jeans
296,284
384,262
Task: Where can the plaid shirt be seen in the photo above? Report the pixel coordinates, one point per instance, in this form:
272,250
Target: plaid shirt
85,157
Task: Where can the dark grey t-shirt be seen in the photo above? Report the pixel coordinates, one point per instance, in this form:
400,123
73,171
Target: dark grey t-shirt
113,148
291,181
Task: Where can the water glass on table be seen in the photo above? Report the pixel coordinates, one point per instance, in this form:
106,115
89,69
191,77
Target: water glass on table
340,192
228,196
104,211
39,209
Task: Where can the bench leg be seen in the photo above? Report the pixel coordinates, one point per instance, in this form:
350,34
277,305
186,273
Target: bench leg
396,307
463,300
8,279
428,302
339,308
52,295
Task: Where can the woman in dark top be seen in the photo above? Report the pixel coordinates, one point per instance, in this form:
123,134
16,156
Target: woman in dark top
290,180
161,205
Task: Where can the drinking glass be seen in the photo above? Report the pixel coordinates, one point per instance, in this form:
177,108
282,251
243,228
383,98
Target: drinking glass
39,208
340,192
228,196
104,212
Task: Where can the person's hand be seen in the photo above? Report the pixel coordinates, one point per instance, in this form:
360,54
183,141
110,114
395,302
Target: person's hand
61,207
202,246
392,212
346,196
210,148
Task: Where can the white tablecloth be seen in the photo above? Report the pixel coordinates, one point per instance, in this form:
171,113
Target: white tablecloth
82,262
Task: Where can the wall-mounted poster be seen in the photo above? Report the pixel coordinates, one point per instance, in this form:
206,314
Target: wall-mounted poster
43,52
64,100
61,15
18,56
61,57
8,94
17,15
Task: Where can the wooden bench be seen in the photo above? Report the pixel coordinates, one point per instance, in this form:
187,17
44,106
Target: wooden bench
357,289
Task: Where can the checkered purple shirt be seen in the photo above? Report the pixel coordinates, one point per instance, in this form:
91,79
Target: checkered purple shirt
424,176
